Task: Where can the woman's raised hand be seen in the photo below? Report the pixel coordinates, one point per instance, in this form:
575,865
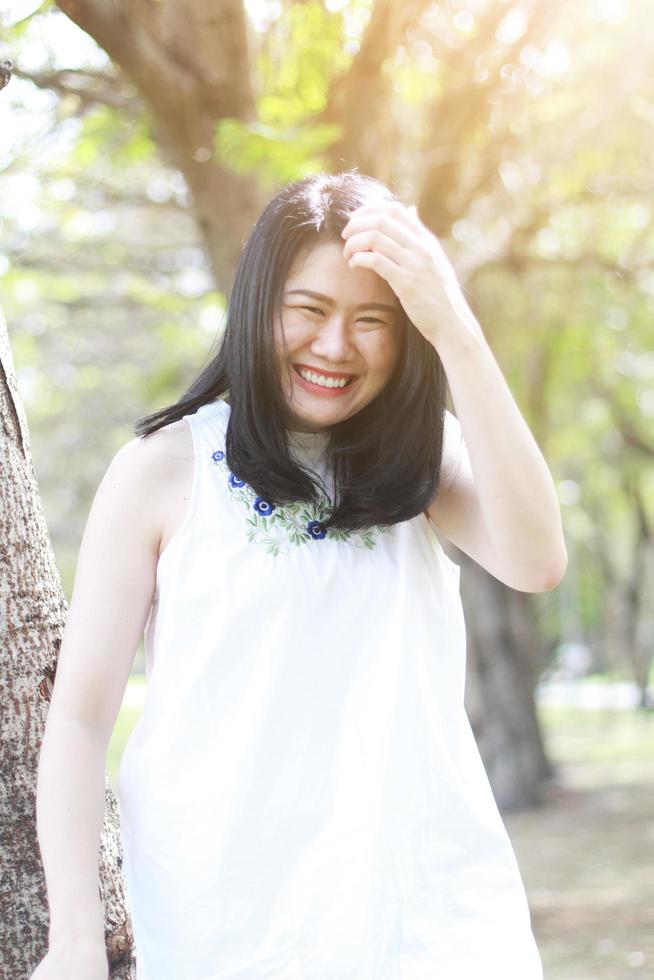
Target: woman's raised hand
390,239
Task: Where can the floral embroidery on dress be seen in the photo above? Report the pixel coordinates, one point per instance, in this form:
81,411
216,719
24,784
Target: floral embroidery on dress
275,528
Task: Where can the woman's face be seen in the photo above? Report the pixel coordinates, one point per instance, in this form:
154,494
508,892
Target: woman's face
340,325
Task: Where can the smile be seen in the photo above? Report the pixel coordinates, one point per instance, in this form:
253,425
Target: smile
323,380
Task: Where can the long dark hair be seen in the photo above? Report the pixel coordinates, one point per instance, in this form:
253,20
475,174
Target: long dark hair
386,458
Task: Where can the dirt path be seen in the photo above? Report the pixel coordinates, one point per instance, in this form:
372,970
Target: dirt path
587,859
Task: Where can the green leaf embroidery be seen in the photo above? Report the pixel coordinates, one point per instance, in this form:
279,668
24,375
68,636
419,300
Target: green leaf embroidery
288,524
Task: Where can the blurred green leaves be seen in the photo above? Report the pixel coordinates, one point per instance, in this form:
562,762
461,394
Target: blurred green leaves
275,155
301,54
115,136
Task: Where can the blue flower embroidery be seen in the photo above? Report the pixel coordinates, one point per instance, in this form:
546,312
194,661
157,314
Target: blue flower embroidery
316,530
277,528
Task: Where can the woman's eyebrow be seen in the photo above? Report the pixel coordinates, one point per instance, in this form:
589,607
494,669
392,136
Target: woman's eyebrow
359,306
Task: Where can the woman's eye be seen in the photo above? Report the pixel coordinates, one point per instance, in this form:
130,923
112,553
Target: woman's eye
373,320
362,319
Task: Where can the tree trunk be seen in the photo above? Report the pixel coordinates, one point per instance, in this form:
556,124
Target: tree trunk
638,622
504,654
32,615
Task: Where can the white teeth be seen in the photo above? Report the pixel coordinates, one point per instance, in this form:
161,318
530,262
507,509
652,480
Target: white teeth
320,379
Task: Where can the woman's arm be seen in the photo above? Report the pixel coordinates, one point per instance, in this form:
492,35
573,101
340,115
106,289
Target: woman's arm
112,593
500,504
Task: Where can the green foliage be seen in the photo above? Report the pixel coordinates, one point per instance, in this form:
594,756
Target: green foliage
275,155
116,137
302,54
300,57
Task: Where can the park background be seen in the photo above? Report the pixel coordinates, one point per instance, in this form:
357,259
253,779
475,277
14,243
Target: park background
138,146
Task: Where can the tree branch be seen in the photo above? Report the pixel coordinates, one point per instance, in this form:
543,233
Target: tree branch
381,37
176,53
467,108
63,82
359,98
190,64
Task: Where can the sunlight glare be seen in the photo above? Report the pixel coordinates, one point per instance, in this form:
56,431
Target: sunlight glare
612,12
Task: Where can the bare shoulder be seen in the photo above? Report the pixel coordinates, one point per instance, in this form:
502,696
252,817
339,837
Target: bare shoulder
164,463
167,444
159,454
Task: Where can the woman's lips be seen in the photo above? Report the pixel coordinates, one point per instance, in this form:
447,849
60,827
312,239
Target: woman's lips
320,389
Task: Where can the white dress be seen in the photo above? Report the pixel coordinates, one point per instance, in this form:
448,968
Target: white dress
302,797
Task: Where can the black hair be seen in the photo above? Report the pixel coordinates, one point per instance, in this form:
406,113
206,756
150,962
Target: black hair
386,458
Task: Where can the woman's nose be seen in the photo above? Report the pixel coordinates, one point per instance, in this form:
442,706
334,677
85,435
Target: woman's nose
332,340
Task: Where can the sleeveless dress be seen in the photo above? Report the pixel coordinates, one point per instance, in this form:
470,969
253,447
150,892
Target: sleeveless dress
302,797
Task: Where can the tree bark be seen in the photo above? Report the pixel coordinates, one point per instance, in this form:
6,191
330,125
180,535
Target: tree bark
505,653
32,615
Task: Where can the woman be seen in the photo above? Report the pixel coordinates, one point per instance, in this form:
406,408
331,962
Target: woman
302,796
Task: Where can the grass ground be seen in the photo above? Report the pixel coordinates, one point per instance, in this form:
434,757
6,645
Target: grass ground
587,857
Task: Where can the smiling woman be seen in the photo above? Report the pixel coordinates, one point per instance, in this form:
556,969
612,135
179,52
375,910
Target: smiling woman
302,797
